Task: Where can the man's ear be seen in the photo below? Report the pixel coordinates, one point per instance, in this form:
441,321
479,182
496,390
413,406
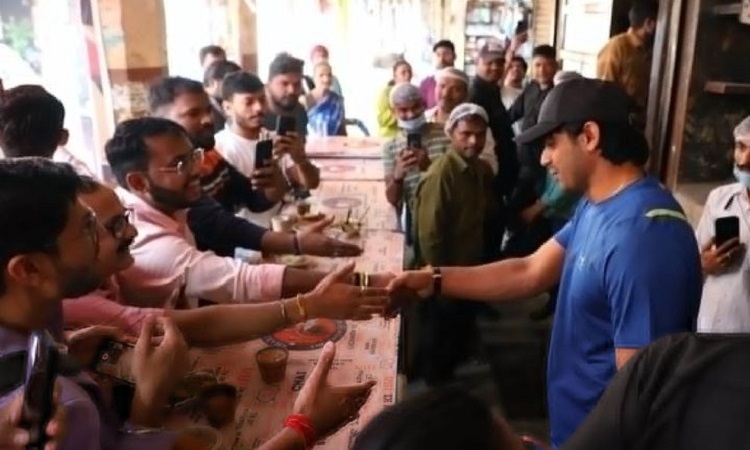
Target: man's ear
136,182
23,269
64,136
591,136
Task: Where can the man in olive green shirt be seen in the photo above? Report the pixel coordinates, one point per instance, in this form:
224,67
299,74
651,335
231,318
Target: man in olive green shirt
457,223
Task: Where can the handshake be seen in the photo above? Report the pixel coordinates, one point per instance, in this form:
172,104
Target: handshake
383,294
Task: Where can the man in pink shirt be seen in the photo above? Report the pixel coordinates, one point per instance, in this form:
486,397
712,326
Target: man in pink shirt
230,323
157,169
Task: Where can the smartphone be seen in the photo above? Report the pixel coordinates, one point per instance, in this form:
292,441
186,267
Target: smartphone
414,140
726,229
114,359
285,124
263,153
39,386
521,27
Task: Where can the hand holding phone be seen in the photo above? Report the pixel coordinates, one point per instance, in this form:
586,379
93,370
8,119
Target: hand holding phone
414,140
264,154
724,249
39,388
285,125
726,229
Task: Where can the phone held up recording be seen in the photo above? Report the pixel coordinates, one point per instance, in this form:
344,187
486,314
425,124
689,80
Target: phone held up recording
39,386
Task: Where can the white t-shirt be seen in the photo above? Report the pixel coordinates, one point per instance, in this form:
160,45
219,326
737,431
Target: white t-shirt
240,153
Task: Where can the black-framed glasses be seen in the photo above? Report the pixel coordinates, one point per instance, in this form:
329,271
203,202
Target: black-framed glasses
185,165
118,225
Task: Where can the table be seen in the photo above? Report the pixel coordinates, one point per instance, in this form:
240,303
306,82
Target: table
364,198
365,351
350,169
345,147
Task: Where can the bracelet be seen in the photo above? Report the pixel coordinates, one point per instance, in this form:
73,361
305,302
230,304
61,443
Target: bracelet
303,426
301,308
365,279
296,244
283,312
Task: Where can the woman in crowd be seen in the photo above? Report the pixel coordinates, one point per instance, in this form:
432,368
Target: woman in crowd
325,108
387,125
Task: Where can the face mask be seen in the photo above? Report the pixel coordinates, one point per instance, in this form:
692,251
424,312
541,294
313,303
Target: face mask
742,176
413,124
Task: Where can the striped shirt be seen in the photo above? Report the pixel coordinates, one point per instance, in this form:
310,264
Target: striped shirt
434,141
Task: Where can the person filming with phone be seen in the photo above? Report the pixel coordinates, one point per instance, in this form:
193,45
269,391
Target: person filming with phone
409,154
722,234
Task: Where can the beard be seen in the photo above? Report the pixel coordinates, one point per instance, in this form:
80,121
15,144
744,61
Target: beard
168,198
77,282
205,140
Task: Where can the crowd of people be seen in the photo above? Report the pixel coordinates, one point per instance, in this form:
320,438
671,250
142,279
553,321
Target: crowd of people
507,188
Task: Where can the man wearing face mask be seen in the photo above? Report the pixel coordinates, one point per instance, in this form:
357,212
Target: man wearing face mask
724,306
409,154
626,59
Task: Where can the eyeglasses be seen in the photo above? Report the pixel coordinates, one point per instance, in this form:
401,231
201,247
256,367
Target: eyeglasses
119,224
184,165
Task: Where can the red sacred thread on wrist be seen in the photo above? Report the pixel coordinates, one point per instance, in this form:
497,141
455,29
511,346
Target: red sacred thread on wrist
302,425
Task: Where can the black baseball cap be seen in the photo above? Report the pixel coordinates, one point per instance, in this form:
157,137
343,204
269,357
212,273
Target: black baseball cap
579,100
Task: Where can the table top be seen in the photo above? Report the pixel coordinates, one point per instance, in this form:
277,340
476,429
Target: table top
365,350
350,169
345,147
364,198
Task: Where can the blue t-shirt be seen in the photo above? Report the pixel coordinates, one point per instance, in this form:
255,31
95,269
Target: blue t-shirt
631,274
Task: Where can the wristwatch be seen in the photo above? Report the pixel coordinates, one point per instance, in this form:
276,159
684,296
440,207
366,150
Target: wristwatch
436,287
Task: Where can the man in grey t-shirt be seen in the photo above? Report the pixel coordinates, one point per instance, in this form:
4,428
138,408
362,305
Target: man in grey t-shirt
284,90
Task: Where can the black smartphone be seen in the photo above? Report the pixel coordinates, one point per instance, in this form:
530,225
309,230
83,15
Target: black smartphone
39,387
263,153
285,124
521,27
726,229
413,140
114,359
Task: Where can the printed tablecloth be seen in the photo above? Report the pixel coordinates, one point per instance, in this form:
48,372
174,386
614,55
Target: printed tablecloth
364,198
350,169
365,351
345,147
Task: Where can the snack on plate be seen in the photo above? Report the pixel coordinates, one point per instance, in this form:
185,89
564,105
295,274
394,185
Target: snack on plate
191,386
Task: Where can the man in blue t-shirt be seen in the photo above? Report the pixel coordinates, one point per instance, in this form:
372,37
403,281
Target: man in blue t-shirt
627,262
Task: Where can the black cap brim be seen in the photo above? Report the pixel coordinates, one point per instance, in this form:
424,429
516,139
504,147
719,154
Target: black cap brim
538,131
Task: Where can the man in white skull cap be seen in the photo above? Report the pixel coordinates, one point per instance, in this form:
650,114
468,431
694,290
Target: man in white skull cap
722,233
458,221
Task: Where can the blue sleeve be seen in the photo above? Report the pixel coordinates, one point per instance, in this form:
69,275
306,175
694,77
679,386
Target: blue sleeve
652,281
563,236
220,231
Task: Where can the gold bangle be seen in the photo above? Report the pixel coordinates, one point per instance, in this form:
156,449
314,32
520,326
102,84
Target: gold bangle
283,312
301,307
365,279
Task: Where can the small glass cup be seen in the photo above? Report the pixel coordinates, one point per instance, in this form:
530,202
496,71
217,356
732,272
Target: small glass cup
303,208
272,364
281,224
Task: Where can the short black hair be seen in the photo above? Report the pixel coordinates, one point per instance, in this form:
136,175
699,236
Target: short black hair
444,43
283,64
164,91
218,70
127,150
641,11
31,122
620,142
521,60
35,197
240,83
89,184
544,51
214,50
449,418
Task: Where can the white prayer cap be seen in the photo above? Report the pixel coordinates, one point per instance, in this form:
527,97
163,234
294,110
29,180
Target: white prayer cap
452,72
404,93
463,111
742,131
